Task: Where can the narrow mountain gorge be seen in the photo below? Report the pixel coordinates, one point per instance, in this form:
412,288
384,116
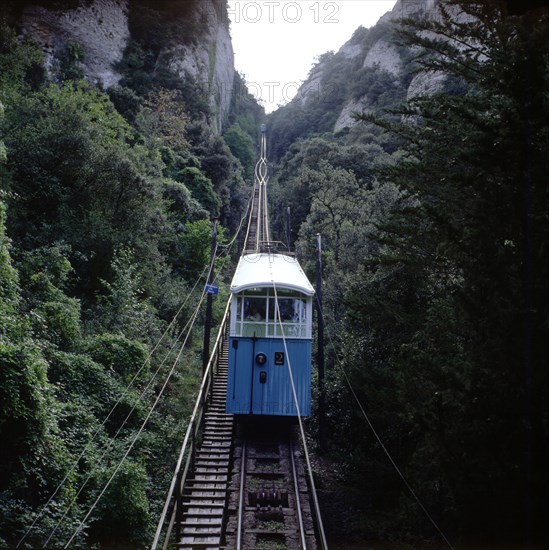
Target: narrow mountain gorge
419,152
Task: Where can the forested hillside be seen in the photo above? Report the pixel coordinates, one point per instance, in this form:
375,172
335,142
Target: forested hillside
106,201
433,211
419,152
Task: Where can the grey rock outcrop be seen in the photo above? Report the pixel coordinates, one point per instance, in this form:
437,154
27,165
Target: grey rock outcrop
311,89
351,49
385,56
381,55
211,60
426,83
101,29
345,118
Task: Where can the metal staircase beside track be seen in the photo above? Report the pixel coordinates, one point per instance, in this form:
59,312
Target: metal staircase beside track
205,493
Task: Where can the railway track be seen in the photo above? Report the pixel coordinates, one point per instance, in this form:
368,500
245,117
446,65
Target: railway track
258,231
244,484
248,487
252,245
268,504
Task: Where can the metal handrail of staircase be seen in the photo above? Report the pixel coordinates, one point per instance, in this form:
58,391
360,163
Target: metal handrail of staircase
188,447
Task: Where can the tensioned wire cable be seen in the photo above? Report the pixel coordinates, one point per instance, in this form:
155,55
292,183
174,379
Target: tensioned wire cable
240,224
379,440
193,318
142,427
121,427
111,412
301,429
46,506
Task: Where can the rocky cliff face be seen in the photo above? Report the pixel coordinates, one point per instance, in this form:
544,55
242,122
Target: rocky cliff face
101,29
380,54
384,56
211,60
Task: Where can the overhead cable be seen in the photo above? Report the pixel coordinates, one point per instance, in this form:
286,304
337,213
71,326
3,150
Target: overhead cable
382,445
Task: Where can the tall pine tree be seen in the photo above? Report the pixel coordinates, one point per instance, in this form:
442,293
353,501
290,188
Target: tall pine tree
456,303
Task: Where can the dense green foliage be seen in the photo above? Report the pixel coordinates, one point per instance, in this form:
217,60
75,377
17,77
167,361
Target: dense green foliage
106,201
433,214
436,298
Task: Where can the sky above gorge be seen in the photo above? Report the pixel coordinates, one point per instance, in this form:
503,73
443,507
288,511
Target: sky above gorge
277,42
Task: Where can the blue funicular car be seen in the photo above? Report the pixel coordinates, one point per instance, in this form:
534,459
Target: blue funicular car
266,342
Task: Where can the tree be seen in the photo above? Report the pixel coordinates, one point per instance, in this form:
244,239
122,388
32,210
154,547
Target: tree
20,65
91,273
454,302
9,281
242,147
35,457
76,178
162,120
202,189
194,249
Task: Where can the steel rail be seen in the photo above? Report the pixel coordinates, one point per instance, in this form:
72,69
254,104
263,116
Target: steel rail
312,486
241,497
297,498
261,177
253,207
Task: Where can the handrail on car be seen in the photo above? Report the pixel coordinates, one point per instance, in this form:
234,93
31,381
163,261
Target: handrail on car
179,476
270,247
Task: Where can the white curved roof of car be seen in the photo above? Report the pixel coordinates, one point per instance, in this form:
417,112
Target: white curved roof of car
268,270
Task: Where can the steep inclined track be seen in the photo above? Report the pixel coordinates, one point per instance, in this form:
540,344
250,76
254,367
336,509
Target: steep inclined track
252,245
258,232
248,487
269,504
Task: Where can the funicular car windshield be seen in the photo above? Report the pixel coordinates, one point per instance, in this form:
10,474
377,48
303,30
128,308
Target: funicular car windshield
257,314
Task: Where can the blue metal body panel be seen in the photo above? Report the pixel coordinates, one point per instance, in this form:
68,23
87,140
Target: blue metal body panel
266,389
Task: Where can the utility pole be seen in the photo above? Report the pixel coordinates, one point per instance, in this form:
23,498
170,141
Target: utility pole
209,297
288,228
320,346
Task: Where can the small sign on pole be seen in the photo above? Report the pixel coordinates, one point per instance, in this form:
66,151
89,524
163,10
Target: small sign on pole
211,289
